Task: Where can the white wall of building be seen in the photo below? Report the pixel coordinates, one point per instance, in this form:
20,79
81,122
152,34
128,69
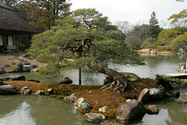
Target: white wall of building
10,40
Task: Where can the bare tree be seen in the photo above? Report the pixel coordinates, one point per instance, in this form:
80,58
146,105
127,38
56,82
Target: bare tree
124,26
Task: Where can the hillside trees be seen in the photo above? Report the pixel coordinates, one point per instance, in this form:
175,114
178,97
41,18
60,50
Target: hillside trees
173,37
132,41
83,39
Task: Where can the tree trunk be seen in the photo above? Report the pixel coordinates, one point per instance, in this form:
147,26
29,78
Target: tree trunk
116,75
80,76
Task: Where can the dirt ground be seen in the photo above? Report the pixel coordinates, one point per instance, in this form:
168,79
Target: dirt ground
8,59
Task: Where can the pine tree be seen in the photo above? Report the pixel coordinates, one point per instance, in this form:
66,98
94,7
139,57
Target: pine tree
85,38
153,28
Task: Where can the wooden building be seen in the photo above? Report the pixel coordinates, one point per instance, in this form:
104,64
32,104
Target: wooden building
11,24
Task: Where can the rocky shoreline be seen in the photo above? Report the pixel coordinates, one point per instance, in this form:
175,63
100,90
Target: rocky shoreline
97,104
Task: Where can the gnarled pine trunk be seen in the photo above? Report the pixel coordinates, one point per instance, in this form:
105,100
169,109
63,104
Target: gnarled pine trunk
121,81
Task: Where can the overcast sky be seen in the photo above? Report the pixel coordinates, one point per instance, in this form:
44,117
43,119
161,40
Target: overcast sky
132,10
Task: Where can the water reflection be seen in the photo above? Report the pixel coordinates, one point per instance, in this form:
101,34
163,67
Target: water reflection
19,116
154,65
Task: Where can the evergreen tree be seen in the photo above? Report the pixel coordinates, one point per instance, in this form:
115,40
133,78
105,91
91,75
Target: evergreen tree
153,28
85,38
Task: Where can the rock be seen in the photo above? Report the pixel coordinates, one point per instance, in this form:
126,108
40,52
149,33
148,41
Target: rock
34,70
103,109
66,98
152,109
1,81
50,91
2,70
183,98
15,77
27,63
26,68
7,90
129,100
130,111
21,60
67,80
34,66
10,58
39,92
10,71
175,94
155,94
26,90
34,80
95,117
71,98
144,95
108,79
13,63
83,106
19,67
6,65
131,76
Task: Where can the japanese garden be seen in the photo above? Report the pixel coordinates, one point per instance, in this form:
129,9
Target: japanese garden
59,66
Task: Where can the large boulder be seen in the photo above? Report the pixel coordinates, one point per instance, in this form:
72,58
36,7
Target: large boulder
26,68
26,91
83,106
2,70
183,98
95,117
152,94
131,76
144,95
67,80
155,94
34,66
27,63
19,67
7,90
15,77
130,111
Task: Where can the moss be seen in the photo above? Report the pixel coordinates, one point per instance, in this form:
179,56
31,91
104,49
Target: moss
93,95
60,97
53,96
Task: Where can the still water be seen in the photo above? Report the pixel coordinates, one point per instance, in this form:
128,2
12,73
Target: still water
44,110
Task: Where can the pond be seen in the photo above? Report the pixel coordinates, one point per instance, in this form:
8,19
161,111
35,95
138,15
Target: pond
44,110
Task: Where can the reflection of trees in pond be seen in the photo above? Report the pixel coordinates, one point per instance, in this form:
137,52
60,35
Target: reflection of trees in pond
92,81
177,113
168,59
52,111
